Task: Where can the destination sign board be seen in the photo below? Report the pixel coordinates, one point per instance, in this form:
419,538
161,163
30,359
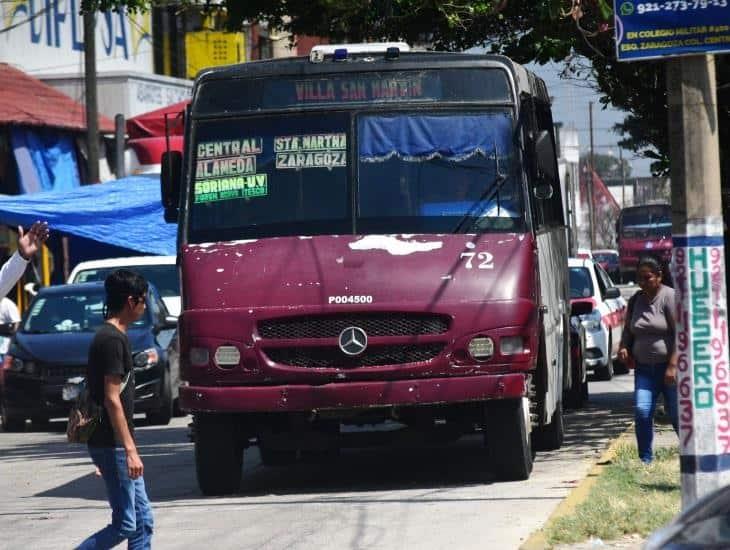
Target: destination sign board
422,86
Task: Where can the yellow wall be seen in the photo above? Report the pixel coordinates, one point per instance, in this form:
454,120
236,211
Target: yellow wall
212,48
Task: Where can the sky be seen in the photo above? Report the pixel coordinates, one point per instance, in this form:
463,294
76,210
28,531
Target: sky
570,106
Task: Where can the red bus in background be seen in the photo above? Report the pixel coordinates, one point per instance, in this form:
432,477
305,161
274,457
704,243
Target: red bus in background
643,230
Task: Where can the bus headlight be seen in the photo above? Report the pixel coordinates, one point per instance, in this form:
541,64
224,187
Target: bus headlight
511,345
481,348
199,357
227,356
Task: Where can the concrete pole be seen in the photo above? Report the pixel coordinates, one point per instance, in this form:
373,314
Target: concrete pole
92,116
589,184
699,273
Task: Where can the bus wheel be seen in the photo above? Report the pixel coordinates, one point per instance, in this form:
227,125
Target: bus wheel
507,437
277,457
218,455
550,437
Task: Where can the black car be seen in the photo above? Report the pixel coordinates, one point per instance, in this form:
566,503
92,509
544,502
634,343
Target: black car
52,345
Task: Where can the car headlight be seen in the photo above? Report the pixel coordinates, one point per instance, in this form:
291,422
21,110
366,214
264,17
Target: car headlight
592,321
19,365
16,365
146,359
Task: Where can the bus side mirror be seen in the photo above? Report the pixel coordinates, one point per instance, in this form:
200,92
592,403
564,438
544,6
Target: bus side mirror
545,153
170,174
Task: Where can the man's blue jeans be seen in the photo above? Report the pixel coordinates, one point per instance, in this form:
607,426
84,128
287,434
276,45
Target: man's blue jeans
648,384
131,513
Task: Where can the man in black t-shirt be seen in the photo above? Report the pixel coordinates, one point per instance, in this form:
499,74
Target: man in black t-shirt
110,375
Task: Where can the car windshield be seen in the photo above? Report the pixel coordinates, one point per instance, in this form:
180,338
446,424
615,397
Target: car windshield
78,312
164,276
581,285
416,173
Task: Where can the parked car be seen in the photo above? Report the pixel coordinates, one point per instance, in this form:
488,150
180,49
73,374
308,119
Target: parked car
161,271
705,524
52,344
608,260
603,317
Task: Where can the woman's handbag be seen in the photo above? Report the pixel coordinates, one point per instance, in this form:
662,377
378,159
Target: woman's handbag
85,414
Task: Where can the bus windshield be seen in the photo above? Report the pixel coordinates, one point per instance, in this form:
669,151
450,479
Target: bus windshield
653,221
414,172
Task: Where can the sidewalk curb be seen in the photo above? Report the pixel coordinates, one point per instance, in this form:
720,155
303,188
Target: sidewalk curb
538,540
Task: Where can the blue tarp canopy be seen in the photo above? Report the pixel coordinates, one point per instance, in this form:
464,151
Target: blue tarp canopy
417,138
126,213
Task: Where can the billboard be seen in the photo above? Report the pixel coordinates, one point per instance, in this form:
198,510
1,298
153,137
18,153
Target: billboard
47,36
648,30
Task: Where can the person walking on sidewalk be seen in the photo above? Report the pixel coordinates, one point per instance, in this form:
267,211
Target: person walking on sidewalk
110,375
648,339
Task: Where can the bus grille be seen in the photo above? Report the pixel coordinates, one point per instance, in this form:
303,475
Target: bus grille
330,357
379,324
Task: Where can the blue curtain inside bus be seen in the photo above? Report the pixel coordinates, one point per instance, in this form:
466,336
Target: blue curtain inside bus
417,138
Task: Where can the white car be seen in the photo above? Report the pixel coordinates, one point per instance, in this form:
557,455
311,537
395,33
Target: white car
603,312
161,271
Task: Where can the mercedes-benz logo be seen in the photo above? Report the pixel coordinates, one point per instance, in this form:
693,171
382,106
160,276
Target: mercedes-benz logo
353,341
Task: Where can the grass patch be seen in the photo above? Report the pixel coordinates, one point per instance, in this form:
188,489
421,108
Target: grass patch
628,497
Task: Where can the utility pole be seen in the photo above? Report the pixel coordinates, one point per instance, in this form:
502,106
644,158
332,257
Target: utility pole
119,146
92,110
698,268
623,177
589,184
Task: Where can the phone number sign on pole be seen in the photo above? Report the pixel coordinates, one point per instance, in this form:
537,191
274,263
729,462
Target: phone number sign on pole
650,30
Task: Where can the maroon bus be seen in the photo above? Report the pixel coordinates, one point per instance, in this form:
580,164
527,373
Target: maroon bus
643,229
369,237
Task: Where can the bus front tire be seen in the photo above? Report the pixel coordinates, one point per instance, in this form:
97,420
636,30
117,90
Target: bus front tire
507,437
218,455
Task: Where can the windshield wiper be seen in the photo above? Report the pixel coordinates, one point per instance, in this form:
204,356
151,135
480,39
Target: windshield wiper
487,195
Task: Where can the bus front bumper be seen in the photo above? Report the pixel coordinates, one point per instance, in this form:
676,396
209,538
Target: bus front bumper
352,395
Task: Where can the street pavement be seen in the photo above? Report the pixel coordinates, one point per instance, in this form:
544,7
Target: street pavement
425,498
